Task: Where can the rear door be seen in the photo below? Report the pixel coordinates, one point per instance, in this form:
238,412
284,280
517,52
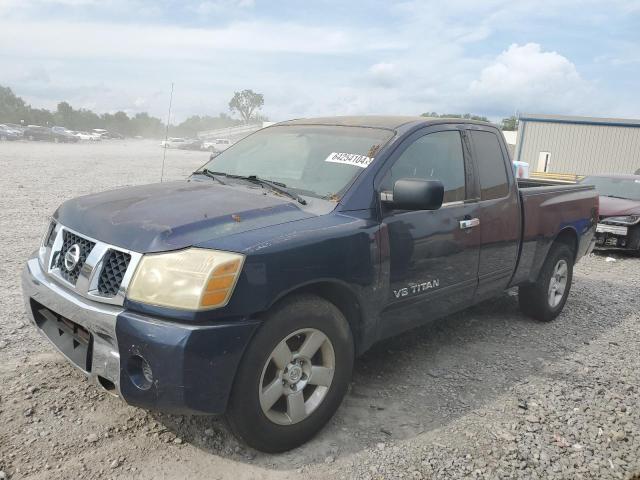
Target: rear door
432,262
499,211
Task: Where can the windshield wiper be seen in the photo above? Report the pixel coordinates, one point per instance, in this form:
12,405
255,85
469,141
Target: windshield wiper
276,186
210,174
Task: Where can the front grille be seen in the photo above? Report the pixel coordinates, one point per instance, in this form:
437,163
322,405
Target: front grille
115,266
69,239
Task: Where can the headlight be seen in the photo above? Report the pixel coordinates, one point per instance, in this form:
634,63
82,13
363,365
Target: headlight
192,279
626,220
47,242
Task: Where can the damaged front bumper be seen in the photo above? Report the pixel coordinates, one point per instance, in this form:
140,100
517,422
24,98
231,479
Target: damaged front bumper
617,237
150,362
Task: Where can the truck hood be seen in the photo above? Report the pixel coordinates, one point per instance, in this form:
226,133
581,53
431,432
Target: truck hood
174,215
610,207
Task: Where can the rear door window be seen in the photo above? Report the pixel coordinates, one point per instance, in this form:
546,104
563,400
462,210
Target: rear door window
492,171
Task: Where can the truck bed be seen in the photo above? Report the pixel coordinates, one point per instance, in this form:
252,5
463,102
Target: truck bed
549,209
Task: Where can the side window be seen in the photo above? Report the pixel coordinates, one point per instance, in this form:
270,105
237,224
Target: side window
492,171
436,156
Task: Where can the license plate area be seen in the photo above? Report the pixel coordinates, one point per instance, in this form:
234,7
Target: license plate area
72,339
614,229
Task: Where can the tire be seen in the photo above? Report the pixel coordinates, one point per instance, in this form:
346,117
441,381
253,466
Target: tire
537,300
56,140
284,423
3,138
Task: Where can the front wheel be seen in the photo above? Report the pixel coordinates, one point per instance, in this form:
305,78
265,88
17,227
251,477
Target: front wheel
294,375
545,299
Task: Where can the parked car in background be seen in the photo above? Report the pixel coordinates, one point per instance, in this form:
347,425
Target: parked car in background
8,133
172,142
250,287
191,144
55,134
106,134
15,126
113,135
62,134
101,131
36,132
619,223
217,145
88,136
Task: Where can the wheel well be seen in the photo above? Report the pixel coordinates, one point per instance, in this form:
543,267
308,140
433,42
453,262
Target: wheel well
343,298
569,237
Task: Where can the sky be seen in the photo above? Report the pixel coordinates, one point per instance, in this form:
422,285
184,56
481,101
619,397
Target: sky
312,58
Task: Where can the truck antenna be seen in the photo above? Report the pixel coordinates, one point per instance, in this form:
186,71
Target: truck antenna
166,134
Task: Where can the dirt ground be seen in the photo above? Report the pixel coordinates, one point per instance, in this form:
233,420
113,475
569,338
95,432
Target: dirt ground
487,393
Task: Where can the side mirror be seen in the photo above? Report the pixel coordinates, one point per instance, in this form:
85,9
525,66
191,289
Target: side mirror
415,194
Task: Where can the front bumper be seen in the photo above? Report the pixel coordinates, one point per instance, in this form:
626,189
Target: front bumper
617,237
192,366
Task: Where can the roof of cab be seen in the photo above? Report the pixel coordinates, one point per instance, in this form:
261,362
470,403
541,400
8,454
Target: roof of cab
375,121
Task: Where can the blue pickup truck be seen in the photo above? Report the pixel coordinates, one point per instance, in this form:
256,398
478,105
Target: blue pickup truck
249,288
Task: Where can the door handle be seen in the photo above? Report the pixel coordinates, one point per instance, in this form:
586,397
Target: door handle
473,222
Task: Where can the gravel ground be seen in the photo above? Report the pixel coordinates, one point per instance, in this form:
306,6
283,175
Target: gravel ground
483,394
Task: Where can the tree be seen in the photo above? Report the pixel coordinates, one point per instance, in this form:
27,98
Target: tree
64,116
246,103
509,123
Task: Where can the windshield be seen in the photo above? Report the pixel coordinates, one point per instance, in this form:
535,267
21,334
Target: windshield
616,187
301,156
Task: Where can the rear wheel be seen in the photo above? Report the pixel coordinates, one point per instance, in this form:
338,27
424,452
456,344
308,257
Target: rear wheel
545,299
3,138
294,375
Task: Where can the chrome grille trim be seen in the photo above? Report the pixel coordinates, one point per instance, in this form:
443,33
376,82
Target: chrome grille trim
86,284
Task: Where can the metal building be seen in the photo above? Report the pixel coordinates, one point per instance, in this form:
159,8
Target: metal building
578,145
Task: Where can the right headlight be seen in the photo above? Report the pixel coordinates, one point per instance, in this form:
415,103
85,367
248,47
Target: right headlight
192,279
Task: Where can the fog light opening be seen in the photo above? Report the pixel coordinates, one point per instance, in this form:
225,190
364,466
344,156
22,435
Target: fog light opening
108,385
140,372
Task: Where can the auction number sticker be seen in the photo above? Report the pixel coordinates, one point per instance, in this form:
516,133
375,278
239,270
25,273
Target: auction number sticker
354,159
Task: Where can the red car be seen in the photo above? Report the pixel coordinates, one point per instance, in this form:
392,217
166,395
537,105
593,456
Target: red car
619,225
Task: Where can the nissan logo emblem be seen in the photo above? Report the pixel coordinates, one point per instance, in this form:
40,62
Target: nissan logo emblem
72,257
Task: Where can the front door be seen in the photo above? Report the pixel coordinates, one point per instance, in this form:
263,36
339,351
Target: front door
433,256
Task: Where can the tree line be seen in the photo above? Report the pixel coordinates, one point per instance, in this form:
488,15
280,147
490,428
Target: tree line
13,109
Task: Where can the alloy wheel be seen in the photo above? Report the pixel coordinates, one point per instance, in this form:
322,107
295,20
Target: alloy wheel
558,283
297,376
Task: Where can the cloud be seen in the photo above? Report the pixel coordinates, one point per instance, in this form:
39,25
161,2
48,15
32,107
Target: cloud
209,7
59,39
383,74
527,78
